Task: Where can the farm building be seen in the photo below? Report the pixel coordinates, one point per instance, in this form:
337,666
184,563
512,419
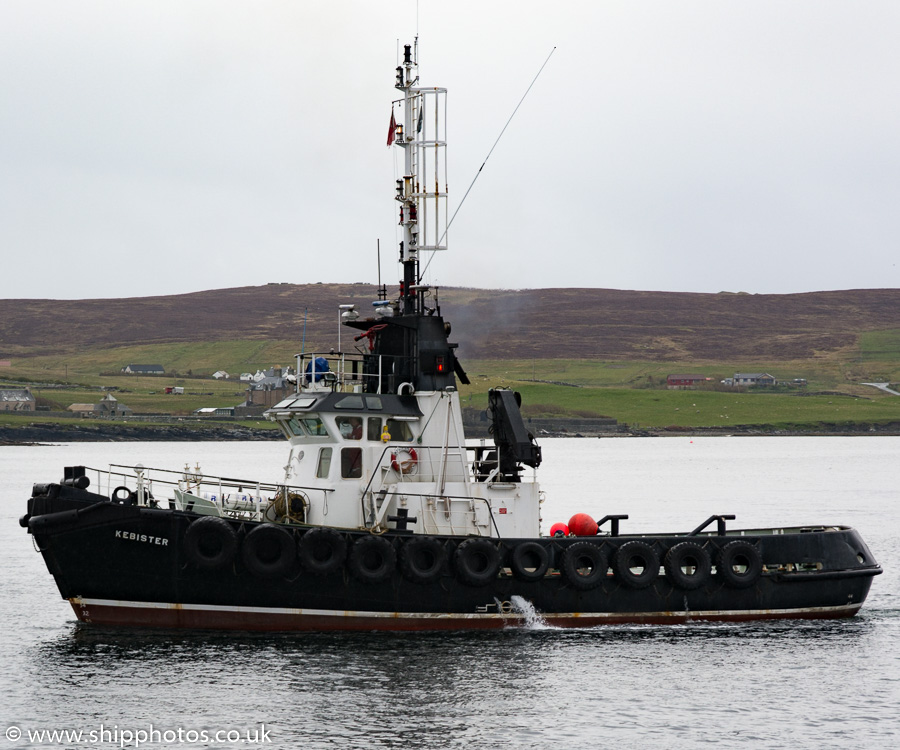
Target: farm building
753,378
108,406
685,381
16,399
215,411
144,370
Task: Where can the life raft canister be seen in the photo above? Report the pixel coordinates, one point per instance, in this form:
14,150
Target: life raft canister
210,543
404,466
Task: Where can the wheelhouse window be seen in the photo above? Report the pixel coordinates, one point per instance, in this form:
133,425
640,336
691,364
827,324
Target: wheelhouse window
323,467
400,431
307,426
351,463
350,427
350,402
373,428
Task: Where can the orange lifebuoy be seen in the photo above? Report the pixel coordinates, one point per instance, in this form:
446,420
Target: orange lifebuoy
406,466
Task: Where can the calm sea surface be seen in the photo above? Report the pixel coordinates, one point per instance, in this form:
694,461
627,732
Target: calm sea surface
778,685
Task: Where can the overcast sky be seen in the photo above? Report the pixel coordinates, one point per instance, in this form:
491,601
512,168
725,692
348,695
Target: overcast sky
153,147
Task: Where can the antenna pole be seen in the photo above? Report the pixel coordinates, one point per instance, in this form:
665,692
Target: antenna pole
489,153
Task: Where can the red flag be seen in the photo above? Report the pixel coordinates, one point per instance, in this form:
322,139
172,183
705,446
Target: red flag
391,130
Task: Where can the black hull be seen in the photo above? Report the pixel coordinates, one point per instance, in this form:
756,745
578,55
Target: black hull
125,565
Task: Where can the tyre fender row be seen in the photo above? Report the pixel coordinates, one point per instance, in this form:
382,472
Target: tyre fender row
270,551
687,565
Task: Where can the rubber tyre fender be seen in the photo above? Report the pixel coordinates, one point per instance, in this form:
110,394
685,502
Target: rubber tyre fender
268,551
322,551
477,562
422,559
210,543
637,554
529,561
579,556
743,554
688,554
372,559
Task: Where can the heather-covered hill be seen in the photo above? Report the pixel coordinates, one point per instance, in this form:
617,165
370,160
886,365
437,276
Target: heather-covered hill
511,324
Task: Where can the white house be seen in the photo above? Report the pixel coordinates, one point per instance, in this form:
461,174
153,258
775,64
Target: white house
753,378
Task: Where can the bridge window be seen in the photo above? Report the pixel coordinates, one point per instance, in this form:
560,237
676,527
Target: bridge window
400,432
350,427
324,465
350,402
351,463
313,426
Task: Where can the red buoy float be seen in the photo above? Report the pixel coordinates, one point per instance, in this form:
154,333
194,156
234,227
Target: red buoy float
559,529
581,524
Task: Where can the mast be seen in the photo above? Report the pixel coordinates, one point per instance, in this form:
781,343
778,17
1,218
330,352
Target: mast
422,191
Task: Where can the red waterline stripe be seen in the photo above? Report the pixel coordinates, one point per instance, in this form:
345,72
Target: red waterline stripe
202,616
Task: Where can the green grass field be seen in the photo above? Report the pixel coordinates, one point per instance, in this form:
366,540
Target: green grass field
632,392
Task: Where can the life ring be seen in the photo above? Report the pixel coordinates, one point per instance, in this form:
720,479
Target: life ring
407,465
322,550
739,564
268,551
477,562
129,498
584,565
529,561
422,559
210,543
372,559
636,564
688,566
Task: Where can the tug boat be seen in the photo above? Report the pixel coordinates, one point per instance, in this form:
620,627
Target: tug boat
387,519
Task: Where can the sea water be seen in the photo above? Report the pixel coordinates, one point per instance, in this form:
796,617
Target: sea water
777,684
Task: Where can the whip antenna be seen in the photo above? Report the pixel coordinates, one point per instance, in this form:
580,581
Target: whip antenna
472,184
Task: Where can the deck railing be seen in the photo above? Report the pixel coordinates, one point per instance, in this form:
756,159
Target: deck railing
192,490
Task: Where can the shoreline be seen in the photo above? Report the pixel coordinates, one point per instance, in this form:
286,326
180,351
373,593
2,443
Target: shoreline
36,434
55,433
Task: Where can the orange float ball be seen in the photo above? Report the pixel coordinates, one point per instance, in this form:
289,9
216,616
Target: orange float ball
559,529
581,524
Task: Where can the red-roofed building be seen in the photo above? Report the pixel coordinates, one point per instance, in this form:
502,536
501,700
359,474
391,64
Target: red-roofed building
685,381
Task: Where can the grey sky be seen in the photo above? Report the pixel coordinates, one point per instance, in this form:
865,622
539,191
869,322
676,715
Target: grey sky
164,147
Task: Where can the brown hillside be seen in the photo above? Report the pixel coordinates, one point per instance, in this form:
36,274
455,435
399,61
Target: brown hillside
541,323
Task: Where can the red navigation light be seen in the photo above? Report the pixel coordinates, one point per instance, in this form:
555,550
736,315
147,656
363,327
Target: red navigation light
439,364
